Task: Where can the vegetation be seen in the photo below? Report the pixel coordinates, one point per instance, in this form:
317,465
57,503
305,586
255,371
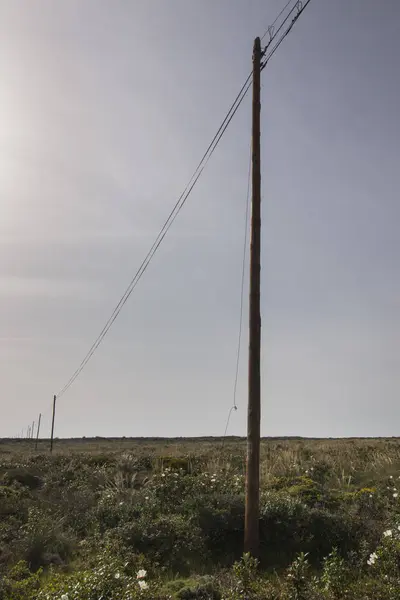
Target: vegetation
127,519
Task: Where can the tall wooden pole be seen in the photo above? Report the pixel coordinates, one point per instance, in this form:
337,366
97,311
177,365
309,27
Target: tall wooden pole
37,431
33,429
52,423
251,527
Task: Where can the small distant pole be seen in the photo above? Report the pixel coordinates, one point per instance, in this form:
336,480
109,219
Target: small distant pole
37,431
33,429
28,432
52,423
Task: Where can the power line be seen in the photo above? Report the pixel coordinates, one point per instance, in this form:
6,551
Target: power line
180,202
270,28
301,7
171,218
297,6
185,194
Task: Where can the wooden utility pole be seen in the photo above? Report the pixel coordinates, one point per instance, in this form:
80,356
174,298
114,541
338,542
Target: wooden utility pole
33,429
52,423
37,431
251,526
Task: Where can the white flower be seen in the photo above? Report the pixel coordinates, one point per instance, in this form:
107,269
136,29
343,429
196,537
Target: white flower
390,476
388,533
372,558
141,574
117,575
64,597
143,585
395,495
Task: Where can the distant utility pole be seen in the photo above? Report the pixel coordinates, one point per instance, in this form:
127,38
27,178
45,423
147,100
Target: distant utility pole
52,423
33,429
37,431
252,509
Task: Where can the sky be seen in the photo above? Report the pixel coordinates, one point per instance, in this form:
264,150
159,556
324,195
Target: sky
105,110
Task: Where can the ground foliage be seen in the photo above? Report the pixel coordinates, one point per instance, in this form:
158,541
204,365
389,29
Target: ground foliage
127,519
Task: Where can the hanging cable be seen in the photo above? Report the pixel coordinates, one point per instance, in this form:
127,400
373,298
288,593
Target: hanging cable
270,29
179,204
246,226
171,218
300,7
188,189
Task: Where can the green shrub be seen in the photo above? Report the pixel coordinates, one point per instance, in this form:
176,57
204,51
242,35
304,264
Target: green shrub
12,502
306,489
172,541
24,477
298,579
43,541
20,583
109,579
207,591
174,463
221,521
289,527
335,575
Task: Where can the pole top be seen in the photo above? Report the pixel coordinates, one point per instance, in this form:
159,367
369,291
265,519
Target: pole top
256,47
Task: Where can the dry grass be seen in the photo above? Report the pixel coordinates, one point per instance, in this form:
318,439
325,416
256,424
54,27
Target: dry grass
347,461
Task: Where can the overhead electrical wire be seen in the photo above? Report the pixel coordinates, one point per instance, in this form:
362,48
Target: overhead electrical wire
239,345
185,194
300,8
171,218
267,56
270,28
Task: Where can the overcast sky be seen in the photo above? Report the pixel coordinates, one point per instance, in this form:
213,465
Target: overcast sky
105,109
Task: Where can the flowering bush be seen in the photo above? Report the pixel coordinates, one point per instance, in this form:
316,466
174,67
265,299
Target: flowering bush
109,580
129,526
385,560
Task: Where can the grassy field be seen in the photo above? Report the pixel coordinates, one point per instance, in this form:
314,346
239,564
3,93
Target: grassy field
163,518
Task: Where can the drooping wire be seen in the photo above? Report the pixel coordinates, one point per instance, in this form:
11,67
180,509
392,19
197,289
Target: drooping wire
242,281
297,6
246,226
270,28
179,204
300,7
171,218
